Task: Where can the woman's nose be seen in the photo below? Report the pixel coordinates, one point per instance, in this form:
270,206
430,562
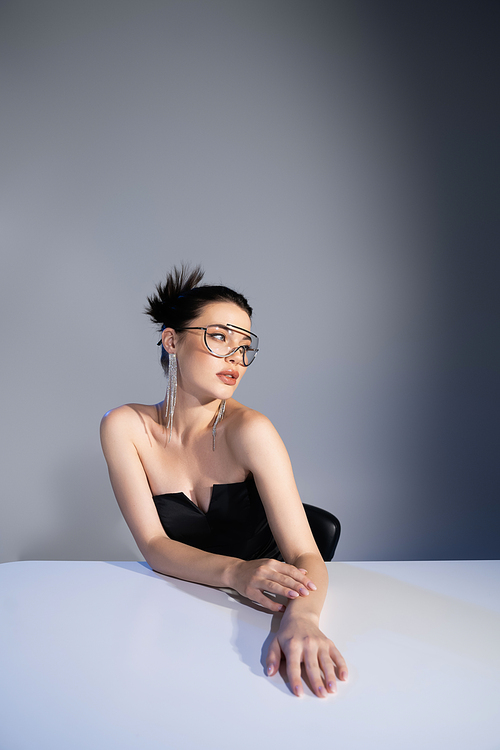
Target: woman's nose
237,355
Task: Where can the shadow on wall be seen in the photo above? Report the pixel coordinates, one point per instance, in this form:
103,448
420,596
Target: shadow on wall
86,523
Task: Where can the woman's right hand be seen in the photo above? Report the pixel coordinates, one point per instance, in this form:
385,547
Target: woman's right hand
251,578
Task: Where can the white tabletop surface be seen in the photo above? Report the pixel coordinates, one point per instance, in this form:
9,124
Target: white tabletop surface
111,655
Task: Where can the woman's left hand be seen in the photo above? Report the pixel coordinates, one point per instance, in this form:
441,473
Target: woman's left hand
300,641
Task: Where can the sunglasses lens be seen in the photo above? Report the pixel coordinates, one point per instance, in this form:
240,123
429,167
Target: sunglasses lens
222,341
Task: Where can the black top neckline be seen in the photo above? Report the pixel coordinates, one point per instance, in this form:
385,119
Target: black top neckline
215,489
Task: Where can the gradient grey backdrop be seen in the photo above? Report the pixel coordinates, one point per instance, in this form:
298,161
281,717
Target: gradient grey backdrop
335,161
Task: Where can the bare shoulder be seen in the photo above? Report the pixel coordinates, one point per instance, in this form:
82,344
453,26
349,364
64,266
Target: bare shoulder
246,422
126,420
251,435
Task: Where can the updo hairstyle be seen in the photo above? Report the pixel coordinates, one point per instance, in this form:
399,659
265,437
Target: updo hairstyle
180,300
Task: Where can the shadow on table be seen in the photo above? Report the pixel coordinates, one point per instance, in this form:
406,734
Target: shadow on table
222,597
362,601
253,626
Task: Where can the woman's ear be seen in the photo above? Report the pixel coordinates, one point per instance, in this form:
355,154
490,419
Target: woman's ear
168,339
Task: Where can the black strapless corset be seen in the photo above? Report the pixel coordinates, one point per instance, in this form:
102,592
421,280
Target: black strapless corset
235,523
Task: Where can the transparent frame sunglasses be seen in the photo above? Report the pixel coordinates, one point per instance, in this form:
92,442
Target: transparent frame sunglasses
248,351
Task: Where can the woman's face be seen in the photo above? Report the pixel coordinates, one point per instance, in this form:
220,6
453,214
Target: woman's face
199,371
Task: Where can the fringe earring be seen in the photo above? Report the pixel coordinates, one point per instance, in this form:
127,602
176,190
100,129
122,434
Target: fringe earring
217,419
171,396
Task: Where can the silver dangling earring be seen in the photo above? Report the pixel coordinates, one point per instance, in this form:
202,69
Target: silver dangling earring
171,396
218,417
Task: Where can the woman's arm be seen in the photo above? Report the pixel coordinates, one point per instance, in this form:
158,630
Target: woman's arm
299,638
132,491
300,641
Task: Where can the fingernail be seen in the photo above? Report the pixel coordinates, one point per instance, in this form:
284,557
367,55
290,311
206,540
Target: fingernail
321,691
282,608
343,675
311,586
297,690
292,594
332,687
270,668
304,591
303,570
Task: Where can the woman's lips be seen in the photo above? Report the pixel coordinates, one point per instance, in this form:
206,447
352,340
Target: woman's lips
229,377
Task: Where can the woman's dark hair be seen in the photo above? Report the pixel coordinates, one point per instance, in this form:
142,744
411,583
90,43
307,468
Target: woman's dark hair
180,300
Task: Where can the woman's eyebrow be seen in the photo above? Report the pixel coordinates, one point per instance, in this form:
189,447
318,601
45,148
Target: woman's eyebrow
234,329
243,335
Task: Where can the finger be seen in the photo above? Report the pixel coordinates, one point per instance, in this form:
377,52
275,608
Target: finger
314,674
285,585
280,578
283,588
274,587
305,580
341,667
300,576
265,601
273,658
328,669
296,574
293,671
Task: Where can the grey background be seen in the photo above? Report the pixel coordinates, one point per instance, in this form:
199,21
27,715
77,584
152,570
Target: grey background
335,161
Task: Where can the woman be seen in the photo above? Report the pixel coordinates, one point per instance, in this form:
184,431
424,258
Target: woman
205,483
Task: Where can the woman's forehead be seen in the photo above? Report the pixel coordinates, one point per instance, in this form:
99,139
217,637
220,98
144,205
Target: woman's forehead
225,313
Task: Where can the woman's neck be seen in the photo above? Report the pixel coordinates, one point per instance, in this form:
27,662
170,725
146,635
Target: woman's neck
191,417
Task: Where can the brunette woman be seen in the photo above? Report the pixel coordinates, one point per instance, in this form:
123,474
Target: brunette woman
205,483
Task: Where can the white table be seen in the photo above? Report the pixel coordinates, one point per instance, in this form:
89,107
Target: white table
111,655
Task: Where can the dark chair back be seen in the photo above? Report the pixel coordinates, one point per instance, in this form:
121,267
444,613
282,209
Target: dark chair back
325,528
